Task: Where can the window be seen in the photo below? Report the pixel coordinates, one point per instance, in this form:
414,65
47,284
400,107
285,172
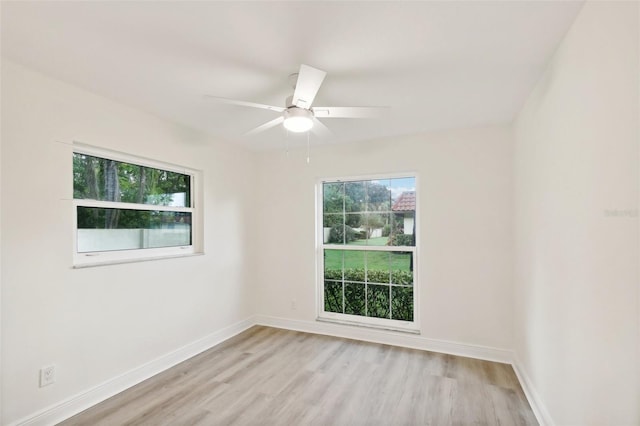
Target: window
130,209
367,258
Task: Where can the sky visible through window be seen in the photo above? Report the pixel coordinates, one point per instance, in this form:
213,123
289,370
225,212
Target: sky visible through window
397,185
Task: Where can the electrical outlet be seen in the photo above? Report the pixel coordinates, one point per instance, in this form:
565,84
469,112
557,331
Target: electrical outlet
293,305
47,375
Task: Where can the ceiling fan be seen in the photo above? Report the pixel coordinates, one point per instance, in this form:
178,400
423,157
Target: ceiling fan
298,115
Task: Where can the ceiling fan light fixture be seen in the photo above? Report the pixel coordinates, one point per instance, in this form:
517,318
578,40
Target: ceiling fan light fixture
298,120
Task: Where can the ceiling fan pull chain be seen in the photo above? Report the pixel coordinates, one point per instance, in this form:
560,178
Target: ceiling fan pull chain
308,148
286,142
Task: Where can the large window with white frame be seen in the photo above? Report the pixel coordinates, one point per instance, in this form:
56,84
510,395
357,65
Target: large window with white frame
367,254
127,208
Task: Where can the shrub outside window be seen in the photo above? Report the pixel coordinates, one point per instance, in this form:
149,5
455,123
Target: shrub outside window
130,209
367,256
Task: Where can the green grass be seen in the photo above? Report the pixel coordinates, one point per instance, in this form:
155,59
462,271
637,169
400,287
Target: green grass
375,260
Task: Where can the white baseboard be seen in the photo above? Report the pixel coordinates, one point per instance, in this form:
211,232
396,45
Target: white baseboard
388,337
537,406
105,390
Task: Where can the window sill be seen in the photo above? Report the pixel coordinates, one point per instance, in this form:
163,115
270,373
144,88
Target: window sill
132,260
365,325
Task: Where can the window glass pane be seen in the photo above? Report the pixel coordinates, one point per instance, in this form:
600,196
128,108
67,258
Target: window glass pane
101,229
353,223
372,229
359,231
360,241
401,239
401,268
378,195
396,226
333,264
376,228
101,179
399,186
330,220
354,265
403,197
333,228
402,303
335,231
354,299
378,301
339,233
378,267
355,198
333,296
333,197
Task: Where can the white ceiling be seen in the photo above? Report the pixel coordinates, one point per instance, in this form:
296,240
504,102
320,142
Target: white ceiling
438,65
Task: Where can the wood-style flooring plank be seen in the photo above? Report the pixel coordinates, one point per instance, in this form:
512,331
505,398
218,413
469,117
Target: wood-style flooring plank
268,376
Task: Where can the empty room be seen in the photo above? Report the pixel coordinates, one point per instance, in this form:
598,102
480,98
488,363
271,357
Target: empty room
320,213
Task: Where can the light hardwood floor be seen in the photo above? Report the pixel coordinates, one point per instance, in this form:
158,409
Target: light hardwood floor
268,376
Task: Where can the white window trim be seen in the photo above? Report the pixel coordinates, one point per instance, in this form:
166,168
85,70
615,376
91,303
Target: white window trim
100,258
347,319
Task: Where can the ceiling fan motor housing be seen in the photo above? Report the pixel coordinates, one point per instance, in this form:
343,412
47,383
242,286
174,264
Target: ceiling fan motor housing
289,102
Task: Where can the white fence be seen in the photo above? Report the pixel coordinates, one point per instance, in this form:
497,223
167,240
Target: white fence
126,239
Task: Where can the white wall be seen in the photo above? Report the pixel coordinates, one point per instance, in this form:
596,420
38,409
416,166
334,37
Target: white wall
465,240
1,313
576,186
98,323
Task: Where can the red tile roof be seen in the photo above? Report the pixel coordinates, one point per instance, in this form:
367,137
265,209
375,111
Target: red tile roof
405,202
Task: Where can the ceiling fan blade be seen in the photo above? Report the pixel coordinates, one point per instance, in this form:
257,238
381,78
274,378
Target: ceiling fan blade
309,81
244,103
348,112
321,130
265,126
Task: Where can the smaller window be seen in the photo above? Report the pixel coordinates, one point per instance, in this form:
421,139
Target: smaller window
130,209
